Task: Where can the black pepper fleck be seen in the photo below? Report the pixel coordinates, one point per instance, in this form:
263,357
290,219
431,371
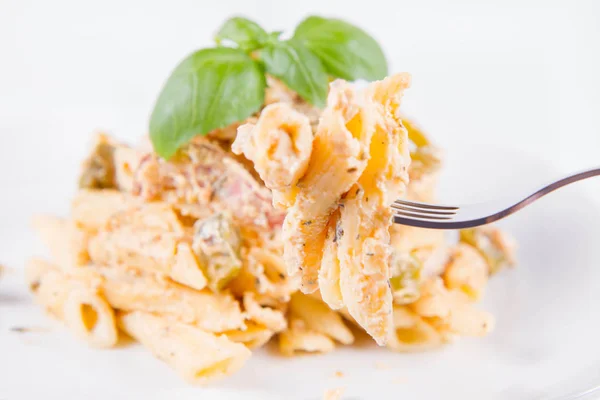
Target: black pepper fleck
353,169
339,231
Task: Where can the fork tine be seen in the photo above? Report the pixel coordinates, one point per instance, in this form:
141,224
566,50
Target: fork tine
402,213
423,210
424,206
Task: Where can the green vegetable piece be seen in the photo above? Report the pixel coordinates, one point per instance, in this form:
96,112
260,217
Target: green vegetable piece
346,51
217,245
210,89
298,68
98,170
248,35
406,274
496,247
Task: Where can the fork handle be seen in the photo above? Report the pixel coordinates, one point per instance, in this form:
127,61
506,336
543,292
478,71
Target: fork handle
560,183
510,207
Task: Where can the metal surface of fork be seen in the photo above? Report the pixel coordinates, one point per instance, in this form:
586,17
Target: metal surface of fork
436,216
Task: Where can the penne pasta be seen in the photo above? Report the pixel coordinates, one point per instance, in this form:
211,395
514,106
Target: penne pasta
254,336
268,317
466,271
319,318
149,238
298,339
67,243
91,209
126,161
329,273
365,219
339,156
451,310
90,317
75,300
131,290
412,333
279,145
49,286
406,238
198,356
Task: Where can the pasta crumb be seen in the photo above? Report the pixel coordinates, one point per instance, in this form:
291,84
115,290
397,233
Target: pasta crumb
382,365
333,394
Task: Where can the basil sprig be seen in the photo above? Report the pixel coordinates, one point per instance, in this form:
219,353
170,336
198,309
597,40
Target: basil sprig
215,87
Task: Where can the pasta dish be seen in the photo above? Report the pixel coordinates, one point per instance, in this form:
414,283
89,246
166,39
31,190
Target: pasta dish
274,228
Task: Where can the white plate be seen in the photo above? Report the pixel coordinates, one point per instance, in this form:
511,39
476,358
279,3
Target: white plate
544,346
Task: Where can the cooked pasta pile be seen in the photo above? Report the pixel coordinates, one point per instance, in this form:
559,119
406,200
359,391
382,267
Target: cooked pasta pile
277,227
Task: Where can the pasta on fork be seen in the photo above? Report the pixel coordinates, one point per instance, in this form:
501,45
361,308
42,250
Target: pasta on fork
358,166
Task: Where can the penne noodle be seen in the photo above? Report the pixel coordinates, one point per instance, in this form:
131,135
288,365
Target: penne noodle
406,238
186,268
412,333
320,318
75,300
50,287
279,145
263,272
451,310
131,290
467,271
297,338
198,356
67,243
268,317
254,336
90,317
329,273
152,250
91,208
126,160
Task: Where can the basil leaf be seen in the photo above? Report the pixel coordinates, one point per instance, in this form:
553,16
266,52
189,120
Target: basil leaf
247,34
298,68
346,51
210,89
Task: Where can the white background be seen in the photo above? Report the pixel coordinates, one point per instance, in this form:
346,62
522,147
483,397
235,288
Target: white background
487,76
499,74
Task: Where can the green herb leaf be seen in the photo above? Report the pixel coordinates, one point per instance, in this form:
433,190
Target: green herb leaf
210,89
298,68
346,51
248,35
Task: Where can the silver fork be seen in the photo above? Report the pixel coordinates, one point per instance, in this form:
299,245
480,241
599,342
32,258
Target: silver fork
437,216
